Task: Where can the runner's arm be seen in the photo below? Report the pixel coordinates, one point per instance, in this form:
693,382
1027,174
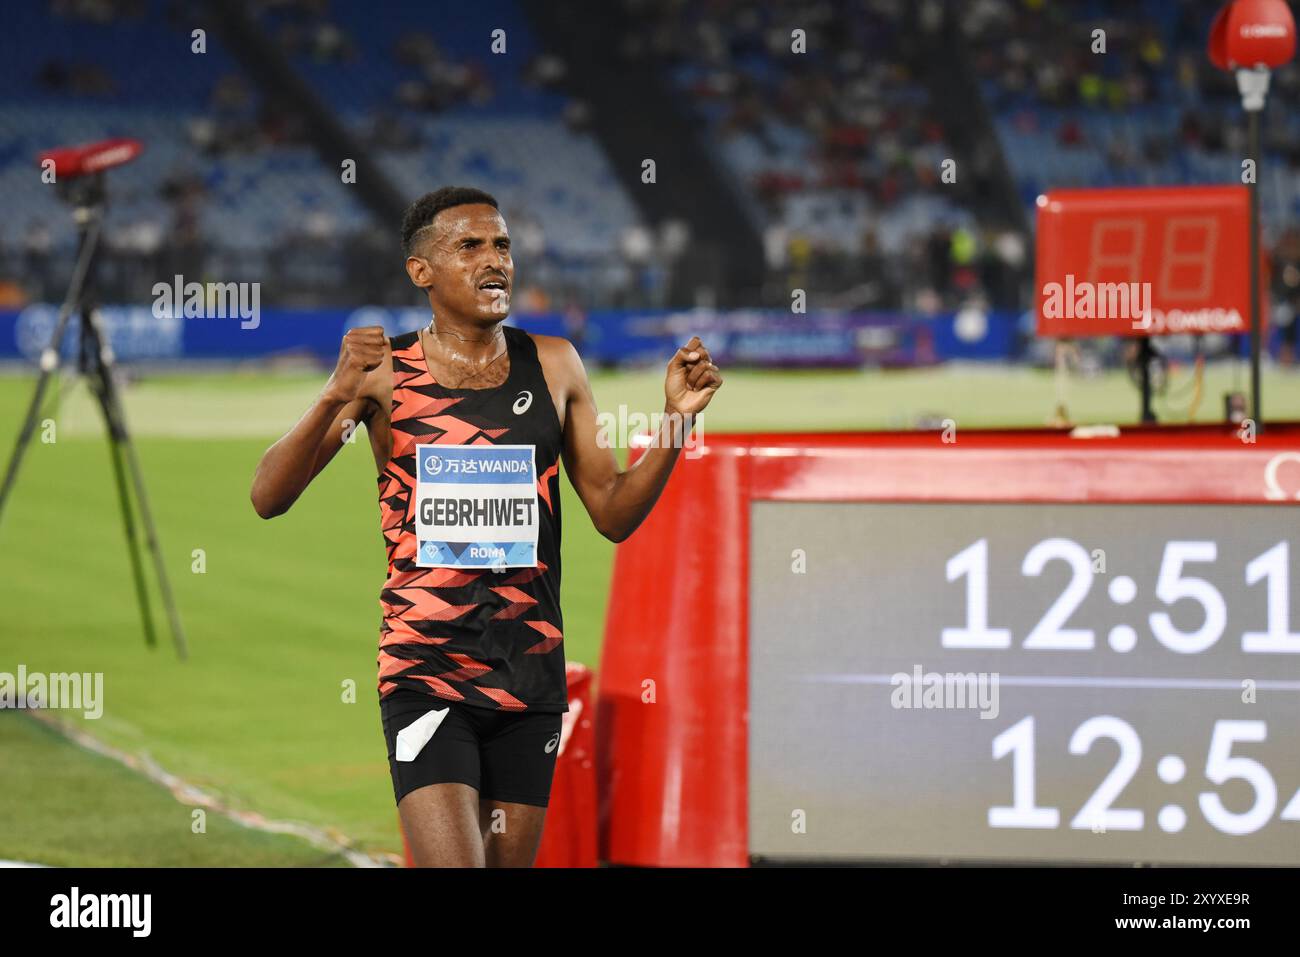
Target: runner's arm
288,466
618,501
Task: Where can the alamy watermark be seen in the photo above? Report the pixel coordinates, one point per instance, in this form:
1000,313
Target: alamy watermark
72,691
75,909
1133,301
210,300
932,690
679,430
1098,300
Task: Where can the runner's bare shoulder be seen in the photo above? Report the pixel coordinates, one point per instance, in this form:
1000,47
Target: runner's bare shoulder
557,355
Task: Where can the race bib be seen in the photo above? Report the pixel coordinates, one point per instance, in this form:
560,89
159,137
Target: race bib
476,506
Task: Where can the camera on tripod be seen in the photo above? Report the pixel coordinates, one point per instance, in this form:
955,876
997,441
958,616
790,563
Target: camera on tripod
79,175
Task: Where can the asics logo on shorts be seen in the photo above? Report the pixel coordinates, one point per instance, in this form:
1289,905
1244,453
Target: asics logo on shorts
554,743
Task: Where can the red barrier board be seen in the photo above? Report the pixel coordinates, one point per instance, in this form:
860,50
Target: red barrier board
673,705
569,835
1144,261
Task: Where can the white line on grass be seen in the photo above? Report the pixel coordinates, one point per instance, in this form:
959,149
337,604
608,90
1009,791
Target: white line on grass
186,793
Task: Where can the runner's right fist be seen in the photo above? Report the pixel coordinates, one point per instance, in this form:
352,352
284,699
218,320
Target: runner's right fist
362,350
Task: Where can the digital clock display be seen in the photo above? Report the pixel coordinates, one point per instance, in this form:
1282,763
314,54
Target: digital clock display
1185,246
1025,682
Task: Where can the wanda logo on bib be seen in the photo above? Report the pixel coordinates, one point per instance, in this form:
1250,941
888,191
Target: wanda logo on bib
476,506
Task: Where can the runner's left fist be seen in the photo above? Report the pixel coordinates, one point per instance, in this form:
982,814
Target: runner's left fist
692,379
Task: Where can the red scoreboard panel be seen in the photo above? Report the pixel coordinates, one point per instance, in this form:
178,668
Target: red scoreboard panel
1105,255
1119,593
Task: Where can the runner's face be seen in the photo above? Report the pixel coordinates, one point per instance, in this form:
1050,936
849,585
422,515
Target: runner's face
471,269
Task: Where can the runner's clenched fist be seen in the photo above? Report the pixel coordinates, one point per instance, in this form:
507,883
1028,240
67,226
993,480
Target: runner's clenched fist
361,351
692,379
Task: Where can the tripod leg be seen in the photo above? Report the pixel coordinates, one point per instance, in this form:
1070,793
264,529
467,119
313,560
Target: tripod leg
122,446
151,539
50,357
28,429
132,544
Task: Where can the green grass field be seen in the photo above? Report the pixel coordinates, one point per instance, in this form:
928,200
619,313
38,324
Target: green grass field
286,615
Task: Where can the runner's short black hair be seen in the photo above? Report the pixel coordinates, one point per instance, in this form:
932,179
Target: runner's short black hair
421,213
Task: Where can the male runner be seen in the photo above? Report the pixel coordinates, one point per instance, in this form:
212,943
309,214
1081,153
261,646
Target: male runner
468,419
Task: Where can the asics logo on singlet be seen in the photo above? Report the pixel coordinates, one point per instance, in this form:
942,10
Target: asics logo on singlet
554,743
523,403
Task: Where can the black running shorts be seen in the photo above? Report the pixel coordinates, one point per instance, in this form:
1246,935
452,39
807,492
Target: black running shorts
504,755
